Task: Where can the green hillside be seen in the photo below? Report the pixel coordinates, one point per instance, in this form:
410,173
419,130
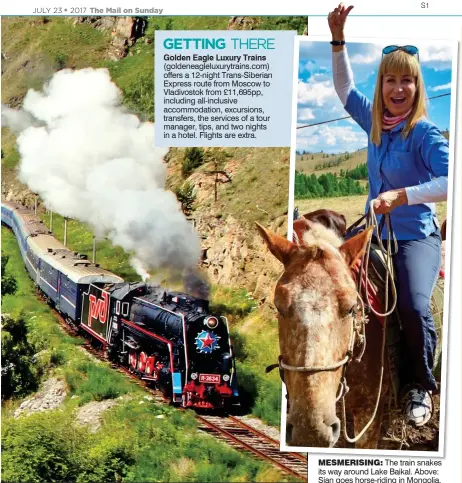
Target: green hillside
313,162
35,48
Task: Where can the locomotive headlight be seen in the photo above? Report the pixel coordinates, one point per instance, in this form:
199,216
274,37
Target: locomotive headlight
211,322
194,376
226,378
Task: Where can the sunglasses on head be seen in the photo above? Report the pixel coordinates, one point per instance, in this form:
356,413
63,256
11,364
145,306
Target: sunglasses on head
409,49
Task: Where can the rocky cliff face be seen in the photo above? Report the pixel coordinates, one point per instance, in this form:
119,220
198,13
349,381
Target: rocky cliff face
234,255
124,30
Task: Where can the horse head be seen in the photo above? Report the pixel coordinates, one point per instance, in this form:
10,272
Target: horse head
314,297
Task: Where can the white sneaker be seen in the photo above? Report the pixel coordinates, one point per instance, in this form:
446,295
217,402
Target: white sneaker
418,407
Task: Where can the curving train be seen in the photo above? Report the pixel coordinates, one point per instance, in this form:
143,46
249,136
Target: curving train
167,338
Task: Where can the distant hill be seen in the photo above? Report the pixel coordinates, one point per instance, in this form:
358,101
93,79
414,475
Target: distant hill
312,162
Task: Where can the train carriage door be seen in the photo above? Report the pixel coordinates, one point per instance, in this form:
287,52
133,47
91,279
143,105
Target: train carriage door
39,268
114,319
95,313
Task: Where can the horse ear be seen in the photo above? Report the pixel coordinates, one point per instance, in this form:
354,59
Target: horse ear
300,226
355,247
279,246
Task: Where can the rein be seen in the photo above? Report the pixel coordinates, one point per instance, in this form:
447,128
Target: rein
358,327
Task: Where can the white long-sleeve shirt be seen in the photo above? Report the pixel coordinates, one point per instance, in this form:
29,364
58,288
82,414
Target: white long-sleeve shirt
429,192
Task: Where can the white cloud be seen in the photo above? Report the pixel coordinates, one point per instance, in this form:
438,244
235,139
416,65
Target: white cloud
337,138
315,93
371,55
442,53
440,88
306,114
439,55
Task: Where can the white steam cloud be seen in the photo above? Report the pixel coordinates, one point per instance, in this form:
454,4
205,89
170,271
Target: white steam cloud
89,159
17,121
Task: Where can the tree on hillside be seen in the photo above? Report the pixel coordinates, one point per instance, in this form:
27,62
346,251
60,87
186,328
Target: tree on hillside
219,158
193,158
185,195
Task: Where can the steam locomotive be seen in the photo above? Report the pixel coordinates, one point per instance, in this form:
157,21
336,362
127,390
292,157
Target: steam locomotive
167,338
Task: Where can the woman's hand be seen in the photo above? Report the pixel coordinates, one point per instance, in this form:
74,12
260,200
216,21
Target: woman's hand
337,20
389,200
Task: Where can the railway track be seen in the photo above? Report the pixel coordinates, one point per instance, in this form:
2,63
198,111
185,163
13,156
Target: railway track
229,429
242,436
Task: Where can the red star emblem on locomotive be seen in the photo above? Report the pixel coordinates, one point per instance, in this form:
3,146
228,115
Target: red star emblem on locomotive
207,341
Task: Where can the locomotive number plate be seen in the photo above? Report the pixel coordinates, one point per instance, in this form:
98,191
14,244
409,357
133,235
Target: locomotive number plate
210,378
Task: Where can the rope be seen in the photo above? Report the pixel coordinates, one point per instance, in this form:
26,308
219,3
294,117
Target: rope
390,276
330,367
371,220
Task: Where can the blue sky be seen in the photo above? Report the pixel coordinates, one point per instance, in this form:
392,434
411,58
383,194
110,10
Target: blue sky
317,100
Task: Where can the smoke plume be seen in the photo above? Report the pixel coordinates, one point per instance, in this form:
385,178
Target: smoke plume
17,120
89,159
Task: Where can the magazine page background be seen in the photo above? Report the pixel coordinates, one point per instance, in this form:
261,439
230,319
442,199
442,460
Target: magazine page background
449,25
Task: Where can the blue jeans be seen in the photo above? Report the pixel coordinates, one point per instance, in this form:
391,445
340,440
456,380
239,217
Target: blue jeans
417,266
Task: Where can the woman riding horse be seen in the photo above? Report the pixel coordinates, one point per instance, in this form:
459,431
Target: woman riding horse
407,159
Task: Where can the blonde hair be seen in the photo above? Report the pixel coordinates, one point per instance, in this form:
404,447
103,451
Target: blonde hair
398,63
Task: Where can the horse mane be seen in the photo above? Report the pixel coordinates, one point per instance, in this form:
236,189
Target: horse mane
318,235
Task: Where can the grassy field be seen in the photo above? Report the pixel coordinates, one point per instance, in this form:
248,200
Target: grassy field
127,447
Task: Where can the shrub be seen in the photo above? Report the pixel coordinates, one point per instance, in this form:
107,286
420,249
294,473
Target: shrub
9,283
108,459
185,195
61,61
19,376
139,96
38,448
193,158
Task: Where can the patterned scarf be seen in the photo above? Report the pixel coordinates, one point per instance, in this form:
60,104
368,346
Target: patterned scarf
389,121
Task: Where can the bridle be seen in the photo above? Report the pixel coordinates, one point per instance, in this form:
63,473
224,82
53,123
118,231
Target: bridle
358,325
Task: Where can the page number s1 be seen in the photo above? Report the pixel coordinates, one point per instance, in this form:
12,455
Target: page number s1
423,5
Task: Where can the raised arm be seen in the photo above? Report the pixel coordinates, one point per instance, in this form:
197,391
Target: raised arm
337,19
355,103
342,74
341,70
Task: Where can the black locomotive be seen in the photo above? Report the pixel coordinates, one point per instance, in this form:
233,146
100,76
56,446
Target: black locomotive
168,338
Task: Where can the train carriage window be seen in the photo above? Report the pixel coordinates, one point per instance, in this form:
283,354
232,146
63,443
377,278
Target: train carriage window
125,309
118,307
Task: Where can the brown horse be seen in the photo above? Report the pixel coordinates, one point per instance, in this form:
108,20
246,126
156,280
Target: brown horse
316,299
